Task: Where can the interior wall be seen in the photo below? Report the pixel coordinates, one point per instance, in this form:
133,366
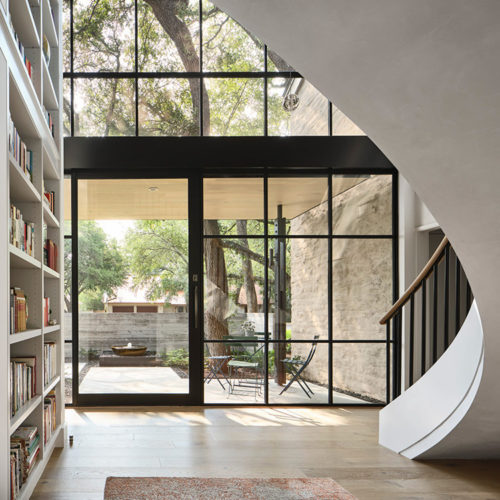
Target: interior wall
421,78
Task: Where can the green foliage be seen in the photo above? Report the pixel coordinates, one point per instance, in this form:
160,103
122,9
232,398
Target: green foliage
157,252
178,358
101,266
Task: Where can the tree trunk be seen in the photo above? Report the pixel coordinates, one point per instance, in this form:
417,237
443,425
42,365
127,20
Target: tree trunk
216,290
166,12
246,267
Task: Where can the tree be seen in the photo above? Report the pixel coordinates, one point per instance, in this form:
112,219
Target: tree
101,267
168,40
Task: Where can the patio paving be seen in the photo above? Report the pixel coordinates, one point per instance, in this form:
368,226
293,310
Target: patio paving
148,380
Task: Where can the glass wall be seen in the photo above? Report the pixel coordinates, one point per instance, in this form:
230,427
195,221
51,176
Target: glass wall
298,272
133,320
181,69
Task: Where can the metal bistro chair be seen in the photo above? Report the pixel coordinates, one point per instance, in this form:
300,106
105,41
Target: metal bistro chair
244,352
296,366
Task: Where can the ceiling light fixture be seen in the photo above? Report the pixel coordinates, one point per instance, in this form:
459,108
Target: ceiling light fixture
153,188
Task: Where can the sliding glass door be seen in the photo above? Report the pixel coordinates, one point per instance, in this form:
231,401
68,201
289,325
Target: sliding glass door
133,289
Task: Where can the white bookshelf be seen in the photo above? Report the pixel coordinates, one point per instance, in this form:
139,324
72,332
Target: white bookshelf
26,100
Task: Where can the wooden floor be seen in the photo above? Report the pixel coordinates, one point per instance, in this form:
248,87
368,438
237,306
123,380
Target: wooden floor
340,443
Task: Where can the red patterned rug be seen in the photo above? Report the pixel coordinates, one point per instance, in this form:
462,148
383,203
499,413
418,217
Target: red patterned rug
189,488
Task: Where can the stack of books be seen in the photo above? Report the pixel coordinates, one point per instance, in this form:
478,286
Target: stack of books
49,362
18,310
50,254
49,415
21,233
24,451
22,382
20,151
50,199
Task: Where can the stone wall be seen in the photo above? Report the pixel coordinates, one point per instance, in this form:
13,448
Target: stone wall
362,287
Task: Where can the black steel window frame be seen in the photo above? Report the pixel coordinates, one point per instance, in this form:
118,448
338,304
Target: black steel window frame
135,75
207,157
330,237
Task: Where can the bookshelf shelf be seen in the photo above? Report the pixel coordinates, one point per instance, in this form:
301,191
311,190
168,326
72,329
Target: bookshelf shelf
49,94
24,24
50,273
21,188
51,385
24,412
51,329
49,169
21,260
26,335
49,217
26,100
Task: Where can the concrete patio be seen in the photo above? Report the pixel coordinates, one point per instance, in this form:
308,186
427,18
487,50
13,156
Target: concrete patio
149,380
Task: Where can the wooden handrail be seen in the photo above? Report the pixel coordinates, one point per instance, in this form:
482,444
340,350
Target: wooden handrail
417,282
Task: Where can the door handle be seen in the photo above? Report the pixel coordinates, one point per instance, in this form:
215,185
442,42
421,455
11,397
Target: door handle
196,307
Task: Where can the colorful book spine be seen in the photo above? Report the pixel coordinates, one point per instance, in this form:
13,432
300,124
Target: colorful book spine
49,415
24,453
18,310
21,233
49,361
50,254
20,152
23,382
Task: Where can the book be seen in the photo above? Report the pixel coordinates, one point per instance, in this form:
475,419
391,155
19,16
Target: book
24,452
22,381
18,310
21,232
49,362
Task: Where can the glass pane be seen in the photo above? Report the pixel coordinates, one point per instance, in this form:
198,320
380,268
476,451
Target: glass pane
234,287
66,107
276,63
68,373
104,35
298,288
286,385
168,46
234,371
235,107
66,35
342,125
298,205
104,107
166,107
227,46
295,107
133,282
362,287
228,200
358,372
362,204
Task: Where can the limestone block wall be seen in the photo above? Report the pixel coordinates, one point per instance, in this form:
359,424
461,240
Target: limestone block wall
362,287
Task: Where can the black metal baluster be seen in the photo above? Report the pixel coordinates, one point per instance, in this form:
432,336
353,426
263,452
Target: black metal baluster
395,348
469,297
458,273
399,320
388,361
411,340
446,294
424,324
434,313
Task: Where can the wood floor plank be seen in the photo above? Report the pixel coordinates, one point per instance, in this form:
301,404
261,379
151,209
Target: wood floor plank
341,443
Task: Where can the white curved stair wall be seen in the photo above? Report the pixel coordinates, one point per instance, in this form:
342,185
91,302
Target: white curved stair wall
407,426
422,79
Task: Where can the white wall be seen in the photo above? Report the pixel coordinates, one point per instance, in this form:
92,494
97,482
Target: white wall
422,79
